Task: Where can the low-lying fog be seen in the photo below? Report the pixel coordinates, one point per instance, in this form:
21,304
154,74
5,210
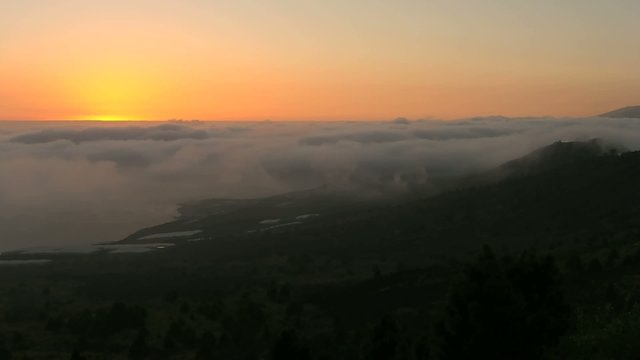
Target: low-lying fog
86,182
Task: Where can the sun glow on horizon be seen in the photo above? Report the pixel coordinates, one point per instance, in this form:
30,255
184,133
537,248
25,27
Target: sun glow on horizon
108,118
289,60
108,92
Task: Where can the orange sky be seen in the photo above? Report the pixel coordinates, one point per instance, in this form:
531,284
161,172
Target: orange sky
315,60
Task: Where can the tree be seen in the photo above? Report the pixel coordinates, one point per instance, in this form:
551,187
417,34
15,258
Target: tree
421,349
139,347
289,347
575,265
384,342
76,355
5,354
595,266
206,346
504,309
377,273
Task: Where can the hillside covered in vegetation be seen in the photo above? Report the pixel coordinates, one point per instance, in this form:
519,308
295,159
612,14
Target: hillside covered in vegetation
537,259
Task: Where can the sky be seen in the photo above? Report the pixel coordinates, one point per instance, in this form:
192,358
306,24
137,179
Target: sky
316,60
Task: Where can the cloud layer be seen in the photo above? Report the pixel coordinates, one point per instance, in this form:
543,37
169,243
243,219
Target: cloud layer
66,183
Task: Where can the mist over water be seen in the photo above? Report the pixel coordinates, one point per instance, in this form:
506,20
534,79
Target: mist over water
80,183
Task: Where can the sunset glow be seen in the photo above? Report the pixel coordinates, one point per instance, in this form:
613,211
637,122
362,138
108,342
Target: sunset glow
106,118
329,60
319,179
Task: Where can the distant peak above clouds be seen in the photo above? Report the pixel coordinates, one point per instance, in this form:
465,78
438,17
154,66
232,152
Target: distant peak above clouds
625,112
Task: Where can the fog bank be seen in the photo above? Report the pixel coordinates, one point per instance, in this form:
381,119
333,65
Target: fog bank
80,183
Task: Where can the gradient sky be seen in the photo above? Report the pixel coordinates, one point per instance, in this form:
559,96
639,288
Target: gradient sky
313,60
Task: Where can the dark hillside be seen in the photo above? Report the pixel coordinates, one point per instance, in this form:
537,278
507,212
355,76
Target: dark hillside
362,279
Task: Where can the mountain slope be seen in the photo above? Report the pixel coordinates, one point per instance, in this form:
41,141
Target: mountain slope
561,179
332,277
625,112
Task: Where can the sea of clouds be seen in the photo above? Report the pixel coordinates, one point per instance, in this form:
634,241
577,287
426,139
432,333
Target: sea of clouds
86,182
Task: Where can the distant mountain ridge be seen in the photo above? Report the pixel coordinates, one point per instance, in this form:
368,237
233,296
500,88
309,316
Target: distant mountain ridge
558,154
553,156
625,112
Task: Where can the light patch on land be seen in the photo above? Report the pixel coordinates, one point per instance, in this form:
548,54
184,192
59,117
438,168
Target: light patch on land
269,222
24,262
170,235
281,225
307,216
